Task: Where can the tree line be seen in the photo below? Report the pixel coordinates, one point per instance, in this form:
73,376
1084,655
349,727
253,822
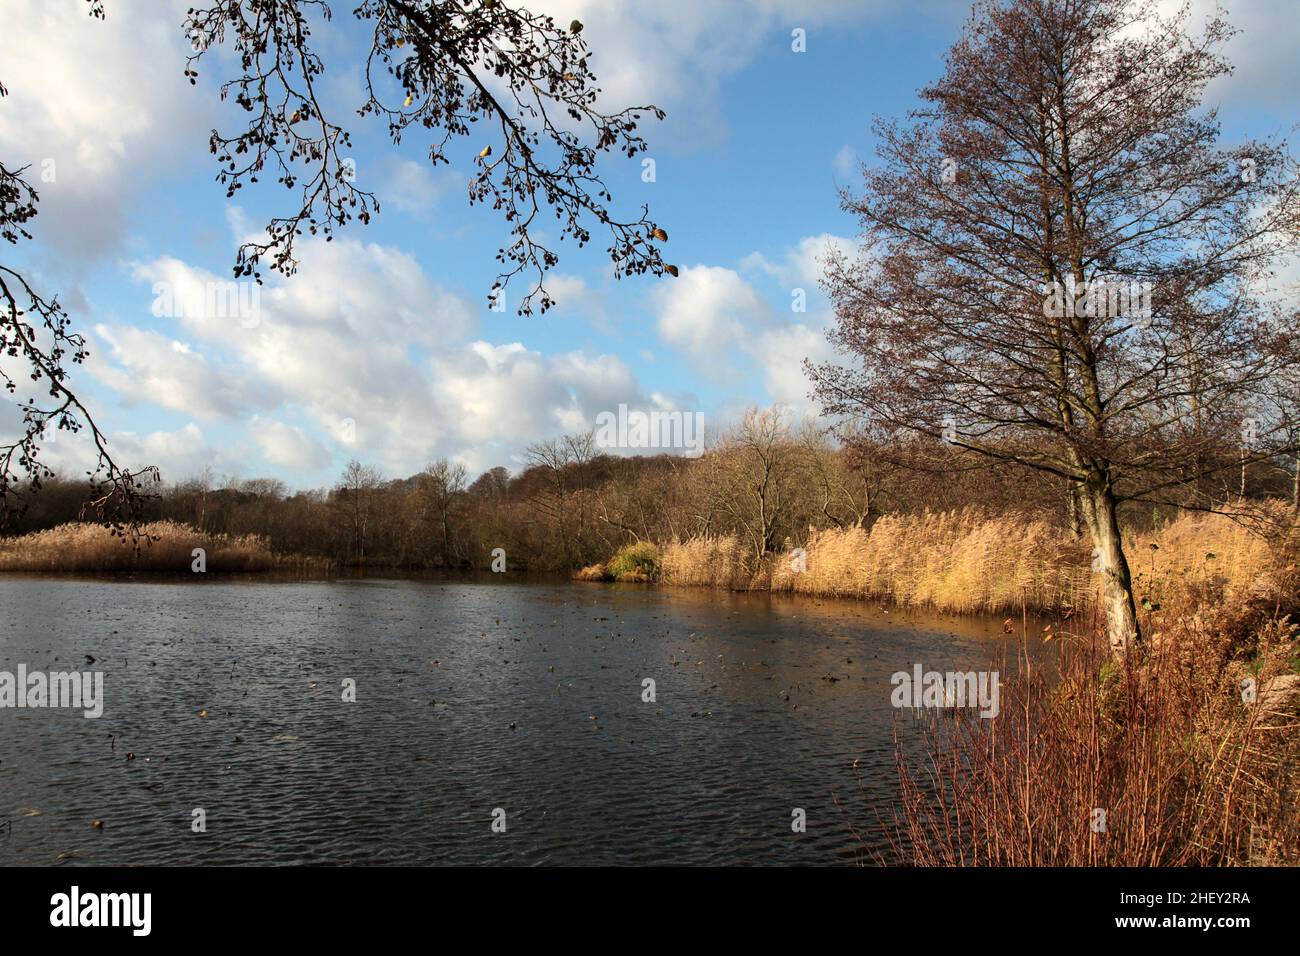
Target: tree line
769,480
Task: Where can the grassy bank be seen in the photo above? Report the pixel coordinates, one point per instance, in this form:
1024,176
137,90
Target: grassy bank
163,547
1185,755
970,561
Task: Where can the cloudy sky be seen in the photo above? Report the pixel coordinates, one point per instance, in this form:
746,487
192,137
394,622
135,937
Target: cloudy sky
383,347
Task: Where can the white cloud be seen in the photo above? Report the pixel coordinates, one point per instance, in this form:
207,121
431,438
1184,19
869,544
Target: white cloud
569,289
288,446
339,339
780,354
184,451
1263,52
498,398
169,373
413,187
372,358
804,264
98,103
719,322
706,310
178,453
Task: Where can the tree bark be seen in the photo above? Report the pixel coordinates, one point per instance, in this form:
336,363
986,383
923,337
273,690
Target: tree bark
1076,511
1100,511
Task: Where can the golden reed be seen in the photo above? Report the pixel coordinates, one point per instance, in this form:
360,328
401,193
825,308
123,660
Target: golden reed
971,561
163,546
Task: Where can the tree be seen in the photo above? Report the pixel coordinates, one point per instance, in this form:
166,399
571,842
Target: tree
756,476
37,331
492,484
1286,409
355,496
441,486
453,63
848,484
560,469
1059,265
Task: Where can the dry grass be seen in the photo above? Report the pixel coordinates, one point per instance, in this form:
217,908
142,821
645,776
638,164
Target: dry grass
1190,747
962,561
1185,769
593,572
1198,551
165,547
970,561
712,562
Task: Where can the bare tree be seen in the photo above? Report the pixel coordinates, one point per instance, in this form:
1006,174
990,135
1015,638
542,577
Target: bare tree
492,484
442,485
355,496
756,478
562,465
453,64
848,482
1059,161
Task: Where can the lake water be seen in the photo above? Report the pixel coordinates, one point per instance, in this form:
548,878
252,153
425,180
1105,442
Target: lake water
470,697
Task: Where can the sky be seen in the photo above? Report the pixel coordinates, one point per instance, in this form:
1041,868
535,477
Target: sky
384,347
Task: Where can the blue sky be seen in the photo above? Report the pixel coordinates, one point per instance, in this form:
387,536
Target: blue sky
383,347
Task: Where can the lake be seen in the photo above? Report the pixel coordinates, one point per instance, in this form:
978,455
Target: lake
470,697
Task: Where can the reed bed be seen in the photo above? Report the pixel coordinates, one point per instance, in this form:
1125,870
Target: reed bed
963,561
162,546
1147,763
636,563
971,561
593,572
1186,753
711,562
1200,550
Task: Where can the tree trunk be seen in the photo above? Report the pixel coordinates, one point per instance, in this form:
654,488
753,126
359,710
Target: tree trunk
1295,486
1076,511
1117,584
